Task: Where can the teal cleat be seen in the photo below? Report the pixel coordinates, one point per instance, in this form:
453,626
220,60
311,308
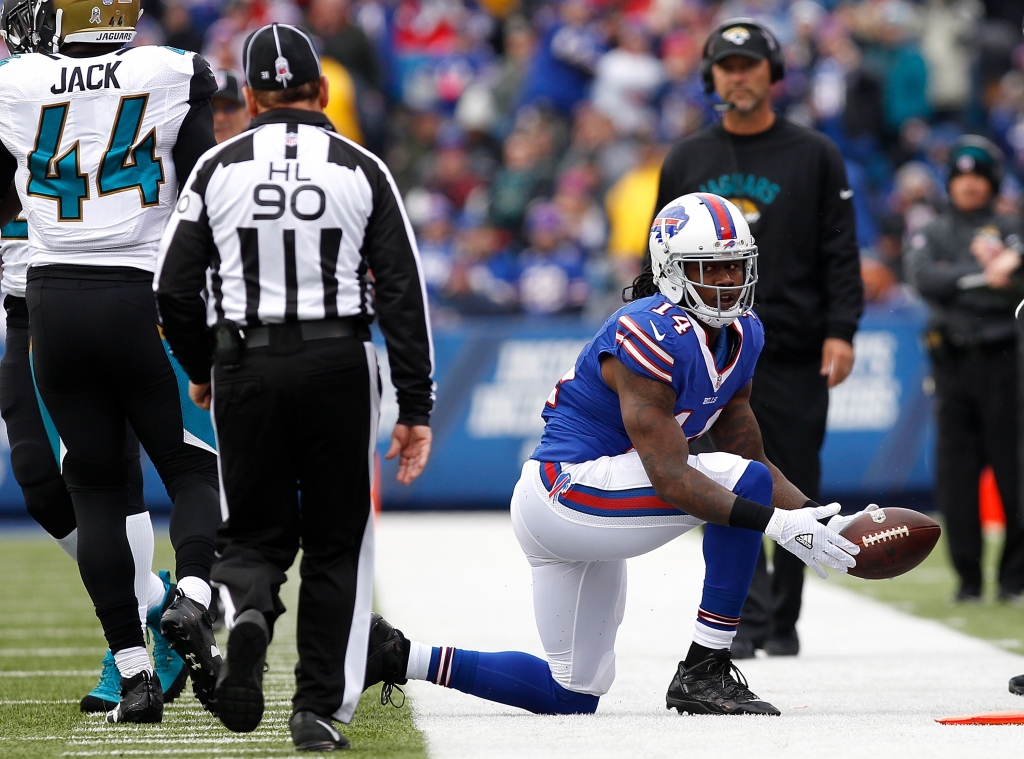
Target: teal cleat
107,693
170,669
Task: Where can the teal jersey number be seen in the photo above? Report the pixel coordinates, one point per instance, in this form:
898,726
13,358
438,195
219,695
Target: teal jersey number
58,178
124,166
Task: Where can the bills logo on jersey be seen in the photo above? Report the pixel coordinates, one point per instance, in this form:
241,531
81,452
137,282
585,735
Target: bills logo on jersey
671,220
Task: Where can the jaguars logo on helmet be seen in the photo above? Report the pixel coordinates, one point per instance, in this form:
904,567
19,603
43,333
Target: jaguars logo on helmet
48,25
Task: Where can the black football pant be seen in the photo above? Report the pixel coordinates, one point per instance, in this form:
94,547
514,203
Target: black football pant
790,403
98,363
32,458
976,410
296,424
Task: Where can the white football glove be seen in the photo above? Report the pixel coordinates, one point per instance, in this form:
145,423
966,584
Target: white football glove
838,523
800,533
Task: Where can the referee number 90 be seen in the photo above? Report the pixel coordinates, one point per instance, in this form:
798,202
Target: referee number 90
307,202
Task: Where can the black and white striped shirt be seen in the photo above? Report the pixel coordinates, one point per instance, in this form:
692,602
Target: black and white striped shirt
292,222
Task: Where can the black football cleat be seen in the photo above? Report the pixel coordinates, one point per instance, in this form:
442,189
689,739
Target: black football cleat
188,628
1017,685
239,692
142,700
311,732
714,686
387,658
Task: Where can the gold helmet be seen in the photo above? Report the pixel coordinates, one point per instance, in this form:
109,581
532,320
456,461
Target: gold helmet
55,23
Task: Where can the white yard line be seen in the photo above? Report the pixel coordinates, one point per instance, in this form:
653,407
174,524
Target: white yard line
868,678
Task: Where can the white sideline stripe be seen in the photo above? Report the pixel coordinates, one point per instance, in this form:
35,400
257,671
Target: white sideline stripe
14,653
131,741
30,701
49,673
180,751
869,681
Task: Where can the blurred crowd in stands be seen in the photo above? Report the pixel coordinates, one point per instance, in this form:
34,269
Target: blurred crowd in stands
527,137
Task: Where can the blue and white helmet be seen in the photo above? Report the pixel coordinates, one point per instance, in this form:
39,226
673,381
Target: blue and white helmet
706,228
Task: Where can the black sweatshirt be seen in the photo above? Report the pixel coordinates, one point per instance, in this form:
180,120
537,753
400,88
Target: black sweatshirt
790,184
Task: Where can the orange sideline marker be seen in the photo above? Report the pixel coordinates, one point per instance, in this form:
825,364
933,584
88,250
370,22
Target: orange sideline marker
988,718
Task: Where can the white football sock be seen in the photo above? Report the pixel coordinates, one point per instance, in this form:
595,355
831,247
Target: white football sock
155,594
132,661
196,589
139,529
709,637
70,544
419,661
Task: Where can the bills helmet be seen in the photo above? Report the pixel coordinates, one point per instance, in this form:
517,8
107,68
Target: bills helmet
47,25
704,229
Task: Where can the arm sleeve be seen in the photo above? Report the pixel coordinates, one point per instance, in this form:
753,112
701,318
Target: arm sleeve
196,134
400,300
638,347
186,251
837,246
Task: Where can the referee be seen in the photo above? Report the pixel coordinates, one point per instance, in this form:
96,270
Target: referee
790,183
298,238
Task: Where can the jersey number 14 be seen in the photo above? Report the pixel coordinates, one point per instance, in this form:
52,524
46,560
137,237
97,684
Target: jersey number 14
127,163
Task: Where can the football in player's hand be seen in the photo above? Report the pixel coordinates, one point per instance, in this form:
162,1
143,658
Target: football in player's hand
892,541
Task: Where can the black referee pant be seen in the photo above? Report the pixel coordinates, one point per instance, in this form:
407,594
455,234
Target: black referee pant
790,402
33,462
976,410
99,361
296,426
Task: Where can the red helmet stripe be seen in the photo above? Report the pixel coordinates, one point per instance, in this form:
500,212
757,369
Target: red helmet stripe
720,215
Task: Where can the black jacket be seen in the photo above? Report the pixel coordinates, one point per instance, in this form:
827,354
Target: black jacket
937,260
790,184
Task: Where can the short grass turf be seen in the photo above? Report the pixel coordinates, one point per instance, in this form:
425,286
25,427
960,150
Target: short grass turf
927,591
50,652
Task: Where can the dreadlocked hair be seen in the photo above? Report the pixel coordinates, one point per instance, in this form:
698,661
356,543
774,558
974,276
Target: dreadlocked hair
643,286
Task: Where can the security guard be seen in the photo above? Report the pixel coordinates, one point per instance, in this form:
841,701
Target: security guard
966,265
282,227
790,183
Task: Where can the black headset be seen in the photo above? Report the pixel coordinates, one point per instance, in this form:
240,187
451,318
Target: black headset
776,62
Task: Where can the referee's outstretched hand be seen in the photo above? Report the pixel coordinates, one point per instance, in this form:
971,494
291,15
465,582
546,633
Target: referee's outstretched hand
413,443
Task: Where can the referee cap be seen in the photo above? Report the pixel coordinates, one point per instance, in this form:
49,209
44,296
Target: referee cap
279,56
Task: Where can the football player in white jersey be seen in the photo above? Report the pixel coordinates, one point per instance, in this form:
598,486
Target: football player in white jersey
94,137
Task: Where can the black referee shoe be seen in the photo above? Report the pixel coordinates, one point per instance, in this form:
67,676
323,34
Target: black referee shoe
142,700
311,732
189,631
239,692
714,686
1017,685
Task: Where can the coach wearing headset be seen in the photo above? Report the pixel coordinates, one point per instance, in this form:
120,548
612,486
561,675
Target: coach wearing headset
790,183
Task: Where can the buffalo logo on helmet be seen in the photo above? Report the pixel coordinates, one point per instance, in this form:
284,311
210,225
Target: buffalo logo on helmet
737,35
671,220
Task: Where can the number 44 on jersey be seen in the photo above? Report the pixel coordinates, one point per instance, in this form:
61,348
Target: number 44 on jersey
127,163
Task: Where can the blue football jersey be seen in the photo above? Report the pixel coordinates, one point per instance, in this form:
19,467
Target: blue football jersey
656,339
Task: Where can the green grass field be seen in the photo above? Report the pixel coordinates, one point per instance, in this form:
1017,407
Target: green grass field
50,651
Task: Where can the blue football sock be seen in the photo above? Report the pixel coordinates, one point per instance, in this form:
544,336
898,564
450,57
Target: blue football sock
509,677
730,555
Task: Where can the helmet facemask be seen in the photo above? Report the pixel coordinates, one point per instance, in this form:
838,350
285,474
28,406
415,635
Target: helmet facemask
20,26
673,282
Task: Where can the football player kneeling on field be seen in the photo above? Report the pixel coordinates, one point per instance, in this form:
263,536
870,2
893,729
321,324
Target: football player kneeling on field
673,364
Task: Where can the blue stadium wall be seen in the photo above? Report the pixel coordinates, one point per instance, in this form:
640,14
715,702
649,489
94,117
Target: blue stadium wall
494,375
